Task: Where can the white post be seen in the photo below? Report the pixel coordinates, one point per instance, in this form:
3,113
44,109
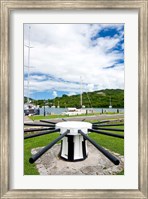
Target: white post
81,91
28,64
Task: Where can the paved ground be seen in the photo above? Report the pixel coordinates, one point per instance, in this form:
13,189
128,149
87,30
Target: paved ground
79,118
95,164
98,117
27,119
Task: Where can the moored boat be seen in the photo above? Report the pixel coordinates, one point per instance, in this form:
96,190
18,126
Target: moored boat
74,111
30,109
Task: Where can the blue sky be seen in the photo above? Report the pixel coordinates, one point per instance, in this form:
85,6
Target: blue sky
66,56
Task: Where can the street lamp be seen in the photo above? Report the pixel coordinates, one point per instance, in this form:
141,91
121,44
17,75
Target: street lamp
44,108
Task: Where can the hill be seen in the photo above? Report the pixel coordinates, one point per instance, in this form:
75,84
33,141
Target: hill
96,99
26,99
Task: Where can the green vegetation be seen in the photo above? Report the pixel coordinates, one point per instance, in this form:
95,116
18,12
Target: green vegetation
26,99
96,99
113,144
40,117
121,173
30,169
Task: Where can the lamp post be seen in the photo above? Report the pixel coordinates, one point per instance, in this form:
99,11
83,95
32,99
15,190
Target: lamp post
44,109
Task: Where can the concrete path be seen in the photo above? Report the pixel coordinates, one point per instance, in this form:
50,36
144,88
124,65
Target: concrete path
27,119
95,164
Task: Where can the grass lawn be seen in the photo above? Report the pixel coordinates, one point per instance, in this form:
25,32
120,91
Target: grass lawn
112,143
41,117
29,169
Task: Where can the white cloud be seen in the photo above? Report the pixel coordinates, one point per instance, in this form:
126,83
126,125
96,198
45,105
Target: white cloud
90,87
38,77
71,93
54,94
66,51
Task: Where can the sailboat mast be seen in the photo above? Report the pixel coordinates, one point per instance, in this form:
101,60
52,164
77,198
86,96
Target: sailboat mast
81,92
58,105
110,106
28,83
29,47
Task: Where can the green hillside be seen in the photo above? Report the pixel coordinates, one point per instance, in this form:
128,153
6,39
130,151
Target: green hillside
93,99
26,99
96,99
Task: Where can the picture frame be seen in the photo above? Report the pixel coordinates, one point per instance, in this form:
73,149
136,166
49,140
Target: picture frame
142,7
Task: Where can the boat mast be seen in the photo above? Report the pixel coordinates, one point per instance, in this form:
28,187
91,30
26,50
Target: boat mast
28,65
110,106
28,82
81,92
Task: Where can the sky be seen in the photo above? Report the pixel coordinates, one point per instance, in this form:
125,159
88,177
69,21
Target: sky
70,58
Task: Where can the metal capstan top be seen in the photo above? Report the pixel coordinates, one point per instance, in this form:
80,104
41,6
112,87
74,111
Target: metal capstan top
73,126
